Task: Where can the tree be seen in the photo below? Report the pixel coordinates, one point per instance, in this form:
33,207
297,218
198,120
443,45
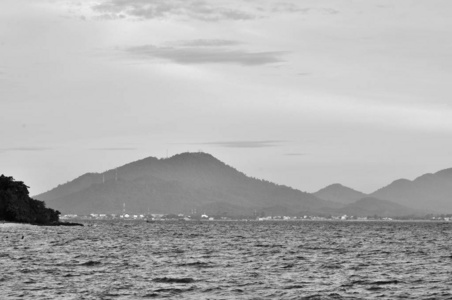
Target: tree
17,206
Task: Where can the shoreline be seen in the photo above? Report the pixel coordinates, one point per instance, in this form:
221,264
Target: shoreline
4,224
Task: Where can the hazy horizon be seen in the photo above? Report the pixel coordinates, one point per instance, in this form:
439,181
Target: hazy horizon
300,93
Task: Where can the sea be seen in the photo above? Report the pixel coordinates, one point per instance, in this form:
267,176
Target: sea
228,260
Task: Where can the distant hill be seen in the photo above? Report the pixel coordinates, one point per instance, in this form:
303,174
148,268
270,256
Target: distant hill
339,193
199,182
370,206
429,192
180,184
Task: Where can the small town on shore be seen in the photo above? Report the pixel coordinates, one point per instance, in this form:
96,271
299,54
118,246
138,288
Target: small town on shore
205,217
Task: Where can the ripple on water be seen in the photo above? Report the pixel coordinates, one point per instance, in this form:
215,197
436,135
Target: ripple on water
228,260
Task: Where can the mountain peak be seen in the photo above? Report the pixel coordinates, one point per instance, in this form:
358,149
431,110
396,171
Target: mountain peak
178,184
194,156
338,193
402,181
335,186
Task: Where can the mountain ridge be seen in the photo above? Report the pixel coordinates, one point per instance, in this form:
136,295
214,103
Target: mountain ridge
199,181
431,192
174,185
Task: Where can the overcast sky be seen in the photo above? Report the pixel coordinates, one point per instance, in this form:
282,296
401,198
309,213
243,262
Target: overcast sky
304,93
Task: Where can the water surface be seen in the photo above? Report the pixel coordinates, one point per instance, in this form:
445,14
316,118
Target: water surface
228,260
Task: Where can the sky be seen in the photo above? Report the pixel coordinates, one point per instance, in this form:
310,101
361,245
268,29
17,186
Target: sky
303,93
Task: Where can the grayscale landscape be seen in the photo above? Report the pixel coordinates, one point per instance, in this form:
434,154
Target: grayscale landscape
213,149
199,182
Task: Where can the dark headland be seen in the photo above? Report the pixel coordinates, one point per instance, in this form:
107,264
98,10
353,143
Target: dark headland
17,206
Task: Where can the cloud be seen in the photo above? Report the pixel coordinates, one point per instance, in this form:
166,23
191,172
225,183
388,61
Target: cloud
205,55
285,7
114,149
292,8
295,154
152,9
201,10
205,43
25,149
244,144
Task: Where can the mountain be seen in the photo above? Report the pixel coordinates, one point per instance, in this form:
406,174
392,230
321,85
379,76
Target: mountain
370,206
429,192
339,193
179,184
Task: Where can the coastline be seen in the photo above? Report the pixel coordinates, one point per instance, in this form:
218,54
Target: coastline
4,224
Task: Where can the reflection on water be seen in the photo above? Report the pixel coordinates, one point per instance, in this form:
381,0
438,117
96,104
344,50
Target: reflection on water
228,260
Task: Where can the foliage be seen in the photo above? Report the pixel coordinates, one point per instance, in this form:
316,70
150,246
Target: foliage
17,206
